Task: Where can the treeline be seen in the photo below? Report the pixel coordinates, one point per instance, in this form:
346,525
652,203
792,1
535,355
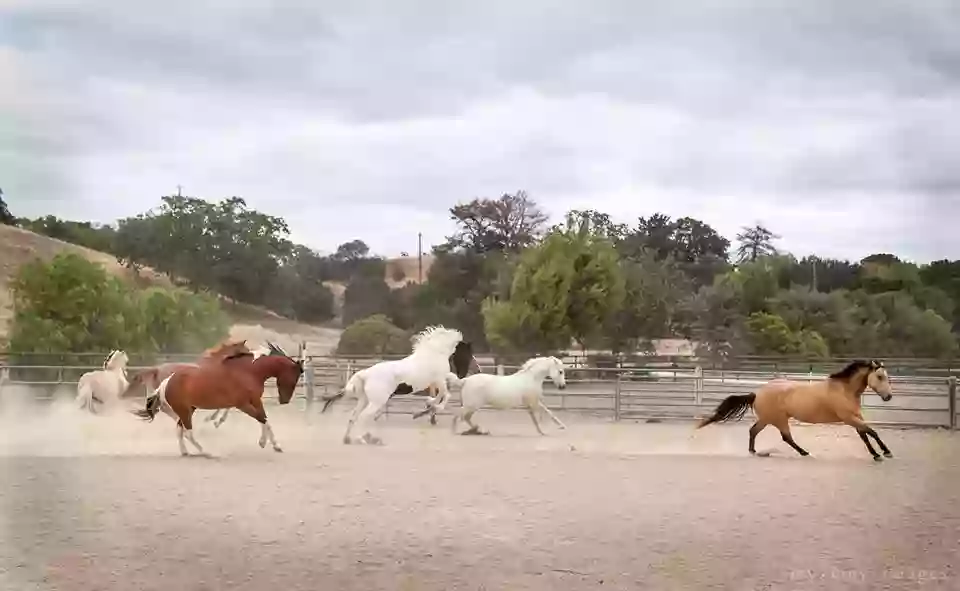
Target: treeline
511,283
514,285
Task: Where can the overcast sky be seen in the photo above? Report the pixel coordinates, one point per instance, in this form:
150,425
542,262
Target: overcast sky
836,124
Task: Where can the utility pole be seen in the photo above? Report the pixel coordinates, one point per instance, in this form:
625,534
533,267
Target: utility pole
419,257
179,189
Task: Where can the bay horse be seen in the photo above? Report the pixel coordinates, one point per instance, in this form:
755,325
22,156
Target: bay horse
235,381
523,388
151,377
834,400
427,366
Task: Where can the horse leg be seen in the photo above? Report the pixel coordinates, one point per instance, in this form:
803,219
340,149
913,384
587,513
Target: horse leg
361,404
255,410
784,428
474,428
180,442
754,431
223,417
187,420
533,417
212,416
365,419
550,414
863,430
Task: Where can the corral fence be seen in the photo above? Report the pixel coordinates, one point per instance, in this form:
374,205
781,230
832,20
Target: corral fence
641,388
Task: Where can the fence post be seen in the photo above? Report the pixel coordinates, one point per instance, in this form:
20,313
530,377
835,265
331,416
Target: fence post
698,385
308,378
952,389
616,397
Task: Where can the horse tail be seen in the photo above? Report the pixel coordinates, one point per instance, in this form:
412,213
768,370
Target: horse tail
152,406
354,381
732,407
85,395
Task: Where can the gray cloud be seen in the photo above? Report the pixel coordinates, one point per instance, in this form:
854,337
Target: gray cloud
369,119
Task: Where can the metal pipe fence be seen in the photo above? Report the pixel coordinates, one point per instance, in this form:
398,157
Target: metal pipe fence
921,398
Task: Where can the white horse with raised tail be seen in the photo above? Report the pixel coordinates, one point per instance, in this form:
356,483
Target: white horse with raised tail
103,386
522,389
426,367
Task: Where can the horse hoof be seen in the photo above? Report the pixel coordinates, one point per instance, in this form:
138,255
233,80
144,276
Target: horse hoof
433,420
346,441
263,443
877,459
278,450
887,454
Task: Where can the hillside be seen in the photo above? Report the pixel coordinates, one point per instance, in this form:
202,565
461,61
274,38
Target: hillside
18,246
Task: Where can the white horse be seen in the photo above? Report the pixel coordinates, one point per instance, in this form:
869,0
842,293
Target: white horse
523,389
427,366
103,386
222,412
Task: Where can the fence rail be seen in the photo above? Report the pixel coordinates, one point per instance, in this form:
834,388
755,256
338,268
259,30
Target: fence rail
921,398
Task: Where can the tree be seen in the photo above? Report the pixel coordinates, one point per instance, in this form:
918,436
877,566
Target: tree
365,295
225,246
755,242
769,334
699,251
653,290
508,224
72,304
711,317
825,274
6,217
568,286
945,276
373,335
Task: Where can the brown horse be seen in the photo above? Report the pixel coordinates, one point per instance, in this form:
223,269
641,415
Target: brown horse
152,376
834,400
233,382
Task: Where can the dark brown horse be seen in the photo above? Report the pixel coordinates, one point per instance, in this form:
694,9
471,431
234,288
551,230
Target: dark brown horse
232,382
834,400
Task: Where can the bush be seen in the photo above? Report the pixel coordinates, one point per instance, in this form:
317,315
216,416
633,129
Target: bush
71,305
373,335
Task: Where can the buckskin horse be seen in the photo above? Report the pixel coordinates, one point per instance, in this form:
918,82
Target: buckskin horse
834,400
235,381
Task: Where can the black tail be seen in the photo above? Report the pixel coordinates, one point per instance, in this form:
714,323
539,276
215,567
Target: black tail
732,407
332,399
150,410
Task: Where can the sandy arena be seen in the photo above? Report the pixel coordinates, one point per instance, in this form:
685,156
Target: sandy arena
107,503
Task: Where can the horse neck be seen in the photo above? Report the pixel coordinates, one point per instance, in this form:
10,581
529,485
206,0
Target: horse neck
854,387
266,367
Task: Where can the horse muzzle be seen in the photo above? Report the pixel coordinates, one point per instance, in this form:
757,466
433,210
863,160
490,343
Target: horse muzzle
886,397
562,387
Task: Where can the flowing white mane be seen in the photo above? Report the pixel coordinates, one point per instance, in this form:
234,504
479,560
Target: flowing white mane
529,364
435,337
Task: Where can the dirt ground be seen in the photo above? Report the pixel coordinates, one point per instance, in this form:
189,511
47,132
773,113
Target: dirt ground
107,503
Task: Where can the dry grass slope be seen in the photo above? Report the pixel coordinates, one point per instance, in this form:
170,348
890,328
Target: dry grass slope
19,246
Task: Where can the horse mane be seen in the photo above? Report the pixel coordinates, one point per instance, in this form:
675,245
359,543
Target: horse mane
113,355
227,349
853,368
425,336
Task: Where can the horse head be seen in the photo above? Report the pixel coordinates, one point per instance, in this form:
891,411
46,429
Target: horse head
462,358
544,367
879,381
861,375
437,340
116,360
285,369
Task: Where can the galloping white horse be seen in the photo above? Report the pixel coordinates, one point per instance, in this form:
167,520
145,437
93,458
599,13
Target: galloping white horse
103,386
222,412
427,366
521,389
